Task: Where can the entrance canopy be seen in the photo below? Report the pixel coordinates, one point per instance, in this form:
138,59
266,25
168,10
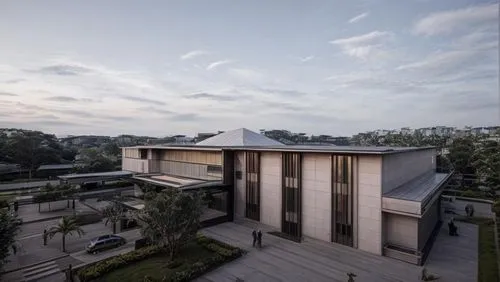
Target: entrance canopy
94,177
182,183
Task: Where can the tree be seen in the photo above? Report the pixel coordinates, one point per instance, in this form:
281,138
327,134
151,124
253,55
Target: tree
460,156
486,161
171,218
66,226
9,227
113,214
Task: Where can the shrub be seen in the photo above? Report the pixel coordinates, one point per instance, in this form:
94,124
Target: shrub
198,268
175,263
468,194
98,269
4,204
496,207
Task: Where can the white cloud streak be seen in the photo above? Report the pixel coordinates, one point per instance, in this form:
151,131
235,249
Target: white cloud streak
450,21
217,64
362,46
193,54
306,59
358,17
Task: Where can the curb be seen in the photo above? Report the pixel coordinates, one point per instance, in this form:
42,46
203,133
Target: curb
35,264
43,219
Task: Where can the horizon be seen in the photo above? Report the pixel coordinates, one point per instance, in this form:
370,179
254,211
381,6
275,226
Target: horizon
216,132
193,66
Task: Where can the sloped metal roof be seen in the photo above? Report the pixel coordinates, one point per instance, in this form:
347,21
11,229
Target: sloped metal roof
420,188
239,137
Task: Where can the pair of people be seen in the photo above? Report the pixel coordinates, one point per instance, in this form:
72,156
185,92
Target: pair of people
452,228
257,238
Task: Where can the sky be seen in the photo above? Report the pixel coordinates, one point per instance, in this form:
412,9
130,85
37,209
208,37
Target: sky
180,67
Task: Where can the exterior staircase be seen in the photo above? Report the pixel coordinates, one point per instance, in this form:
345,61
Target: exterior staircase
40,271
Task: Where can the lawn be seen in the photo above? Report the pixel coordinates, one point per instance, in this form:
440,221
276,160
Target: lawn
488,265
158,266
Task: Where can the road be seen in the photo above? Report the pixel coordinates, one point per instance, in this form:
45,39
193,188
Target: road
26,185
33,238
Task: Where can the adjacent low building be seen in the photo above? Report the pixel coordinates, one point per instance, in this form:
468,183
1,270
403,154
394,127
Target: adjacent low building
378,199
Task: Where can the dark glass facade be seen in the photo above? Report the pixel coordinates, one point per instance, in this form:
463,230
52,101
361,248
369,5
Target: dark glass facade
252,210
292,194
342,199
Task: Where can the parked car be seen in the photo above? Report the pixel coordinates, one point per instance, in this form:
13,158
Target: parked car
105,242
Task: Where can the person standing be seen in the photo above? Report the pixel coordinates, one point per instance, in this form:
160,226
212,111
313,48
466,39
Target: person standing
45,237
259,239
254,235
69,274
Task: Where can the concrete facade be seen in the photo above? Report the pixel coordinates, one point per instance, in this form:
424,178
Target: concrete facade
316,196
270,189
427,223
239,184
401,230
370,204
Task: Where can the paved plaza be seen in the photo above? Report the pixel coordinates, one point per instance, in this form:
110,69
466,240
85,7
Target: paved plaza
452,258
455,259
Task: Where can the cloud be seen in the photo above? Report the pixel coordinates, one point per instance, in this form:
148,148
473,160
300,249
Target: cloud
13,81
155,110
450,21
142,100
443,62
193,54
358,17
246,74
362,46
306,59
217,64
209,96
64,70
62,99
8,94
284,106
185,117
68,99
283,92
73,112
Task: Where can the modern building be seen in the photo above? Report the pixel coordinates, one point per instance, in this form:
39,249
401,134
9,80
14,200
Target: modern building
385,201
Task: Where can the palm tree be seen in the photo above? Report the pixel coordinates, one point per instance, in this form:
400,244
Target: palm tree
66,226
113,214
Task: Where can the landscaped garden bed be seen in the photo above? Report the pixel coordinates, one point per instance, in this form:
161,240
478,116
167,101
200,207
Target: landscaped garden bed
153,263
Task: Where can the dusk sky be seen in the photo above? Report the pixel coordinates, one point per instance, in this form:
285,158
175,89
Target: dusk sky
180,67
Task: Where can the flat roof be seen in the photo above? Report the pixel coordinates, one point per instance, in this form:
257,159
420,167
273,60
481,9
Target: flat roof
56,166
176,181
420,188
121,173
376,150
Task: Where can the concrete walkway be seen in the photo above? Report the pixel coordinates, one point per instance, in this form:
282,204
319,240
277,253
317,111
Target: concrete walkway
312,260
455,259
29,213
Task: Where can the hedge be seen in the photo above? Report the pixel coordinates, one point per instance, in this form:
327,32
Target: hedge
98,269
223,253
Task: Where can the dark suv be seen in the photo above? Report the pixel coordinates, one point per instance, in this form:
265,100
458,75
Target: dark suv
105,242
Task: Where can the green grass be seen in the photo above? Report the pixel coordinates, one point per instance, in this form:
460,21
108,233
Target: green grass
157,267
488,264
